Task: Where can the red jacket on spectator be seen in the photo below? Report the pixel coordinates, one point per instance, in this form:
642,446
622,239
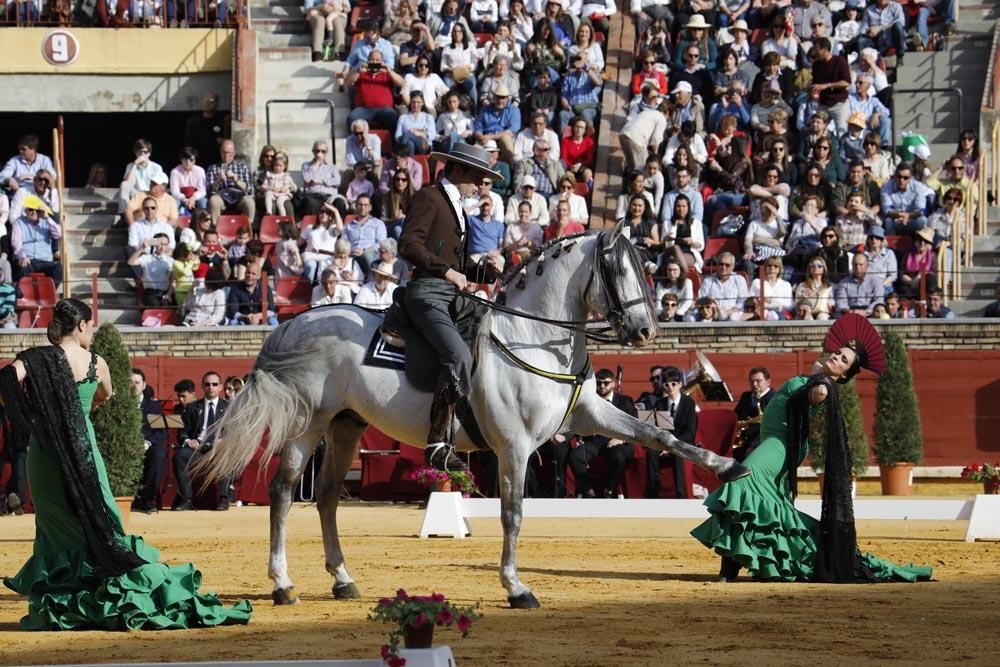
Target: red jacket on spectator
373,91
572,153
640,77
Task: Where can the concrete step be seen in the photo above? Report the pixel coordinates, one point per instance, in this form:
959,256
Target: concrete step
271,40
969,307
277,11
280,25
256,5
986,259
97,244
103,268
298,53
100,220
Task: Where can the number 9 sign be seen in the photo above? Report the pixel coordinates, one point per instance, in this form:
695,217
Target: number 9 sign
60,48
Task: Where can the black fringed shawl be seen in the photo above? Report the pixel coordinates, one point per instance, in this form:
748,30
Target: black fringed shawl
60,428
837,559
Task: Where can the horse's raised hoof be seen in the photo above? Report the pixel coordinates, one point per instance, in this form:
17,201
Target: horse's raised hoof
346,592
284,596
735,471
526,600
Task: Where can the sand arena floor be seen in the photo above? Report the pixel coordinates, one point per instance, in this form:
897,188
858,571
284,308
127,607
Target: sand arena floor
612,592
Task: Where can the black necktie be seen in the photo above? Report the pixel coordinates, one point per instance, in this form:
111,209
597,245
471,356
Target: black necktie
673,409
211,414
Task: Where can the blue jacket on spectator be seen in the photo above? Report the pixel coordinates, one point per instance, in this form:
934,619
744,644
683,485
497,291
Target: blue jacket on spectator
489,121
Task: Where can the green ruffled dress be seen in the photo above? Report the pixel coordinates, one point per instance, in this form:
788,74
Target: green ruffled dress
65,591
754,521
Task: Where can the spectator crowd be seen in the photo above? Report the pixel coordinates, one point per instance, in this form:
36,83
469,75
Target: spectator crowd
758,184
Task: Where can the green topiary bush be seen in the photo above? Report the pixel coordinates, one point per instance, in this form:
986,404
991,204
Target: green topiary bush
118,423
857,439
898,436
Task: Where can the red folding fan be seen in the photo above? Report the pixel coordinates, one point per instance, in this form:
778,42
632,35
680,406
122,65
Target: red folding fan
857,332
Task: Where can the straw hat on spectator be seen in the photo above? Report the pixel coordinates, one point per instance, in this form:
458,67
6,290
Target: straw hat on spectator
857,118
698,21
385,269
740,25
926,234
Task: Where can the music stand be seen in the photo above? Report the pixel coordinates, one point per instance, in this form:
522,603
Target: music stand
716,392
165,421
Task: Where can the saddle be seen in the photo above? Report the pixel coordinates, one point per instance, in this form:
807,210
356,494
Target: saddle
398,344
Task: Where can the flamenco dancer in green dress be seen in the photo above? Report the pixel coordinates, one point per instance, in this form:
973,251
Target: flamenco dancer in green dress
754,523
85,572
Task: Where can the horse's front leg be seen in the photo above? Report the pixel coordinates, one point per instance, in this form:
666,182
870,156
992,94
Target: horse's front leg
513,466
341,438
294,456
601,417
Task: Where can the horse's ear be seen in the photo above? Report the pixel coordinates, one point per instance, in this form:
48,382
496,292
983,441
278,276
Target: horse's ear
612,237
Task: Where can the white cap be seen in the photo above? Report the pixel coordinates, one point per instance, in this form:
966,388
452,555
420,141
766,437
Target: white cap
160,178
529,180
682,86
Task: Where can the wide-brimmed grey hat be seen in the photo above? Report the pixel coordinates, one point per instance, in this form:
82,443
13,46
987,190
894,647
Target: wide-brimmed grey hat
470,156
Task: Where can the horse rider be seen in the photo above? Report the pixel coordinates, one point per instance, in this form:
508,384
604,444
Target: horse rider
435,240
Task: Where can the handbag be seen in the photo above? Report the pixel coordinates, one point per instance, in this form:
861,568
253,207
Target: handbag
731,226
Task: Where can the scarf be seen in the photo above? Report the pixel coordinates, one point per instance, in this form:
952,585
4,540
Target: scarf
50,410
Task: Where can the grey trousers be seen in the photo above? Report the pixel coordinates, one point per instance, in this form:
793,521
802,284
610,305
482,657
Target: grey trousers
427,301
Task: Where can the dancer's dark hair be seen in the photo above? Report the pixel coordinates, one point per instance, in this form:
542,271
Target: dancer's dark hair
66,316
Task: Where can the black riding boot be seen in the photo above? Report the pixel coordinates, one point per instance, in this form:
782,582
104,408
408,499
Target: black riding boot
439,452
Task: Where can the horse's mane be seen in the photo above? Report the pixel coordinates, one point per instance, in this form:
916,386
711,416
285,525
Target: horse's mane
515,269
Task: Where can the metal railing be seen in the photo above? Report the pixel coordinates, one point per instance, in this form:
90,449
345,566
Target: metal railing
118,14
333,108
59,156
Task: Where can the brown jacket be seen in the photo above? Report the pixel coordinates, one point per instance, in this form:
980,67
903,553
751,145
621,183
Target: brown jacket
432,238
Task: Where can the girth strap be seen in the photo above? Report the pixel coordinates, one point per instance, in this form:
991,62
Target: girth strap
563,378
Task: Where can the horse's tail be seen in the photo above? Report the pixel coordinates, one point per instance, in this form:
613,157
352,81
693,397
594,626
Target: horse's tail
269,410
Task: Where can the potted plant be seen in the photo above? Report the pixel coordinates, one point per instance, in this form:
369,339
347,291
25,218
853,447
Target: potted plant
415,617
462,481
899,441
857,439
987,473
118,423
432,479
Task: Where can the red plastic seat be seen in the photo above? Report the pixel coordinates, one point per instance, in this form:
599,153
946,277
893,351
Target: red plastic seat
716,245
165,316
695,278
424,162
386,138
582,190
901,244
307,221
184,221
482,38
292,289
36,318
227,225
269,227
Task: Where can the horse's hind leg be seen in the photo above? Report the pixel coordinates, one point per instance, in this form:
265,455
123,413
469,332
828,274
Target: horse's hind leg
294,457
342,436
513,466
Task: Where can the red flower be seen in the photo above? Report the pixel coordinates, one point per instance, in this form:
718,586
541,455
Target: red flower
445,617
437,597
401,594
385,651
464,624
396,661
420,620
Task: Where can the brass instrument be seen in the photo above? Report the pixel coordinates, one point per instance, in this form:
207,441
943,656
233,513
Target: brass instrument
704,376
743,425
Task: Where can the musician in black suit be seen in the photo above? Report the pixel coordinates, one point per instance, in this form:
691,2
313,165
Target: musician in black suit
648,400
684,413
617,452
155,441
751,405
196,440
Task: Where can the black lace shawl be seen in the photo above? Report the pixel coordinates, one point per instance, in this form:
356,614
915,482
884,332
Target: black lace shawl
838,559
50,409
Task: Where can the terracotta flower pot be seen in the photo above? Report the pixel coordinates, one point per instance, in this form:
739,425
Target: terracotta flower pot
991,487
442,485
421,637
897,479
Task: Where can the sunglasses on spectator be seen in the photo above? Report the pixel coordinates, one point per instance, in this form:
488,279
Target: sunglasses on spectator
319,151
829,236
210,384
818,266
952,199
605,382
649,62
729,264
565,186
423,64
401,178
143,152
669,304
822,147
357,134
694,55
969,138
902,177
956,167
